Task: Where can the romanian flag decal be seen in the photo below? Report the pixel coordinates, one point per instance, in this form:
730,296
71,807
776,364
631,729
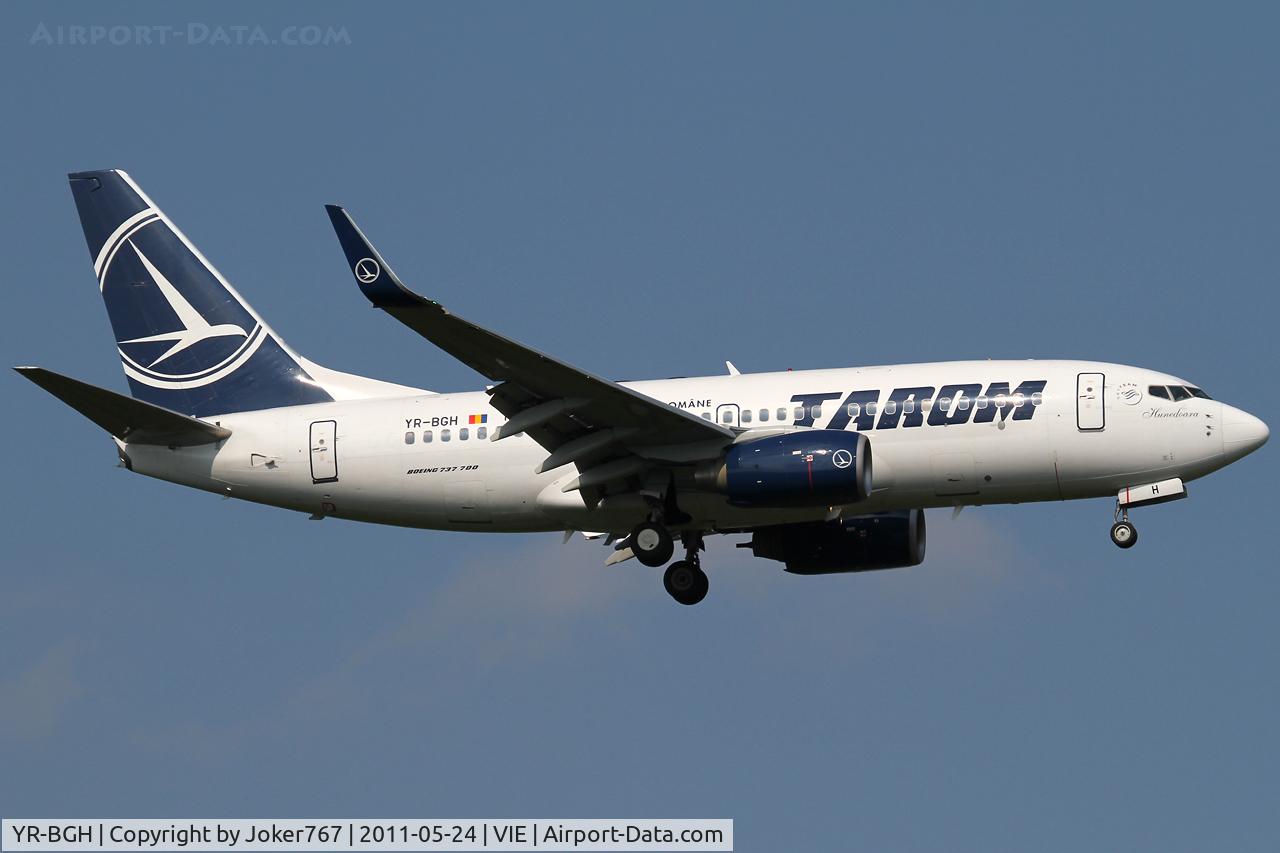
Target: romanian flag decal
478,419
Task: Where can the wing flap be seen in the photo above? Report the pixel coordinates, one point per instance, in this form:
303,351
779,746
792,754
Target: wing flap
133,421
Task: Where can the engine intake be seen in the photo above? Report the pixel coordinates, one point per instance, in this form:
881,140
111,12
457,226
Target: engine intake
820,467
887,540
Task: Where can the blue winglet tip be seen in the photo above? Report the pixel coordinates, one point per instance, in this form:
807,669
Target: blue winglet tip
377,281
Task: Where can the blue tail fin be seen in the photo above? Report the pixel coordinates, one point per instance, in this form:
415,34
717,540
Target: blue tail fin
187,340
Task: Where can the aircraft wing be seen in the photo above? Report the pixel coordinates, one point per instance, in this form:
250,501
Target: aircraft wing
134,421
575,415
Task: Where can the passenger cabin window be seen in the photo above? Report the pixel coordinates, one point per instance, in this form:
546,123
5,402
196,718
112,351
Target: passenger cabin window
1158,391
926,405
871,408
963,405
854,410
408,438
1037,399
944,403
782,414
982,402
799,413
891,407
706,416
444,435
815,412
482,432
464,434
908,406
1179,393
764,415
426,436
727,417
746,416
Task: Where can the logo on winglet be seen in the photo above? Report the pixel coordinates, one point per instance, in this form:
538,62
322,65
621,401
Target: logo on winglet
367,270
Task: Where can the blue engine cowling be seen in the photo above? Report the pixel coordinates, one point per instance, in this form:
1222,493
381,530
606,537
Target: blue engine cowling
884,540
820,467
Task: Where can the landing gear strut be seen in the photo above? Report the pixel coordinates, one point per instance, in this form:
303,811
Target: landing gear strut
1123,533
684,579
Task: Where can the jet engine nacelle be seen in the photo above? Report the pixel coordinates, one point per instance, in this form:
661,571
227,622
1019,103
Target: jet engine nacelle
819,467
888,540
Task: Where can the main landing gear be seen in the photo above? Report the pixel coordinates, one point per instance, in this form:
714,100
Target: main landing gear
684,579
652,544
1123,533
686,582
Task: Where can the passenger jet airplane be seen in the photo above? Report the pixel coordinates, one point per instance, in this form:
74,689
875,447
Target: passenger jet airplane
828,470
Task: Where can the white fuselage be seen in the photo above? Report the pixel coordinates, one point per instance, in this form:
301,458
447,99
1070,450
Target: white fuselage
1079,437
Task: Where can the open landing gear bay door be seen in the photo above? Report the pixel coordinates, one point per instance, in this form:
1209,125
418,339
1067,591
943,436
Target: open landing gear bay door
576,416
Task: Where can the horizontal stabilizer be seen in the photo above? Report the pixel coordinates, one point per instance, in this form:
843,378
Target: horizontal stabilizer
127,418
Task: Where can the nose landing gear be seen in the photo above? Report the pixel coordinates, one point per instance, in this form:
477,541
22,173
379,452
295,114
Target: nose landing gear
1123,533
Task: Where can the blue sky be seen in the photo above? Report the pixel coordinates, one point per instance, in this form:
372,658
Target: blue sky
647,191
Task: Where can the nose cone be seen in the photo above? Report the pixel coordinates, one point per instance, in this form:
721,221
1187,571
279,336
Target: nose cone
1242,433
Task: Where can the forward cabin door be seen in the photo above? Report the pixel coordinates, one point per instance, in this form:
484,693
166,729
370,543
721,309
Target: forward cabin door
727,415
1091,412
324,451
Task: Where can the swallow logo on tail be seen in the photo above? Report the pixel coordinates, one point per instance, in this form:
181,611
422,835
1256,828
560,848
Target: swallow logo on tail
184,363
192,327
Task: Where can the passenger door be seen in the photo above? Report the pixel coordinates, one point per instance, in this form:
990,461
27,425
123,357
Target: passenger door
1091,412
324,451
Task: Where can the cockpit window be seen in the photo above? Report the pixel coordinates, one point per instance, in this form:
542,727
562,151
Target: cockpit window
1177,392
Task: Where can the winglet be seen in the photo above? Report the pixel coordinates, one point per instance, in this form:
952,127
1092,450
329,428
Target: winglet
733,371
378,282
